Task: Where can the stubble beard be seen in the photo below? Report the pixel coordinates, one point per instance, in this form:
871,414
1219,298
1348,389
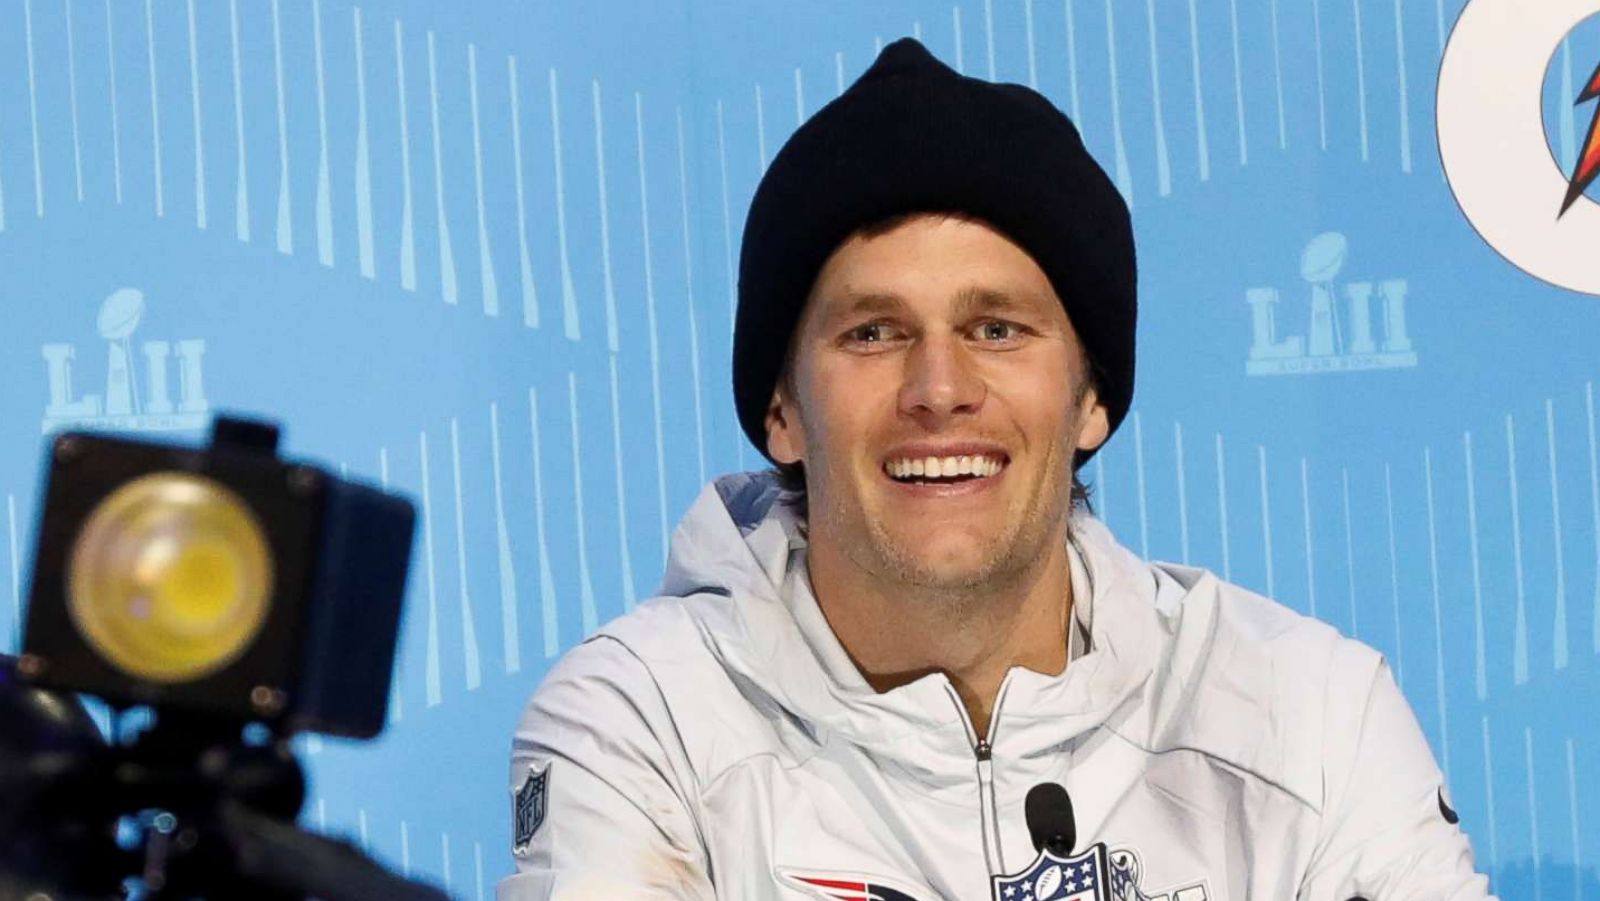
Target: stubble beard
1005,562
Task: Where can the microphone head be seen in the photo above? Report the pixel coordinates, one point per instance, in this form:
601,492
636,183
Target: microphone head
1051,825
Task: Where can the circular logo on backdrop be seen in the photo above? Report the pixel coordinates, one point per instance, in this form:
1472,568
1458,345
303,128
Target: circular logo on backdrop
1507,175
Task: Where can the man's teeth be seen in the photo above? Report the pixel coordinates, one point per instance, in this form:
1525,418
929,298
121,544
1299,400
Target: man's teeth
943,467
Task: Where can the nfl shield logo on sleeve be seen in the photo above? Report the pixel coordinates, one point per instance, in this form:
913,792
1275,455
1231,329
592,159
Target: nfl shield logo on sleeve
1053,878
530,808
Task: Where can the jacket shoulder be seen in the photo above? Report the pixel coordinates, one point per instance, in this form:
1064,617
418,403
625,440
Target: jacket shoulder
1259,686
662,660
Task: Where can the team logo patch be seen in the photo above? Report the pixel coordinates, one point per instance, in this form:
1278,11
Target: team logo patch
848,886
529,808
1050,877
1098,874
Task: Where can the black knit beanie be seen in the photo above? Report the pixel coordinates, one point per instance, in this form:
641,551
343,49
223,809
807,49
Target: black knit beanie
913,135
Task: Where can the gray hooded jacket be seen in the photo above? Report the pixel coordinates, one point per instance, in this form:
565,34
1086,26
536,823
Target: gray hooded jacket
717,742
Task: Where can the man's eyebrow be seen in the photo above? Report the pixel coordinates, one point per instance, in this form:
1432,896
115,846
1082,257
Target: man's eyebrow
970,301
977,299
857,304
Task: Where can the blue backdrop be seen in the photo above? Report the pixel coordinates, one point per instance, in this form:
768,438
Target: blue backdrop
484,254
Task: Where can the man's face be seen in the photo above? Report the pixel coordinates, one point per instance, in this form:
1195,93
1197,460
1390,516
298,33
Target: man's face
937,397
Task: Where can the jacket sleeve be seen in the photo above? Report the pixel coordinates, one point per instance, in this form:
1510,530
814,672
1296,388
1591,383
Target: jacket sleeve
601,789
1387,831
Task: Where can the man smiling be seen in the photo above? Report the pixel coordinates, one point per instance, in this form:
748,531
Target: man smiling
910,664
936,398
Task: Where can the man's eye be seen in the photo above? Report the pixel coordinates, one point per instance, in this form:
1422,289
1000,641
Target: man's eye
998,330
871,333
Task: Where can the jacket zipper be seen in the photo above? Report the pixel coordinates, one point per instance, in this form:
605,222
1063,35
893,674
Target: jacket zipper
983,753
986,806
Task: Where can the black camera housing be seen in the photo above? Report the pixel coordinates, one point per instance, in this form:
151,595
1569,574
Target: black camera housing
322,660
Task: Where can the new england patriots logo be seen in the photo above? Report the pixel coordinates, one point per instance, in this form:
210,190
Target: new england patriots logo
846,886
1084,877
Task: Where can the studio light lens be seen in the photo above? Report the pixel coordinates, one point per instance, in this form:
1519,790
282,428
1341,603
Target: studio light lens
170,577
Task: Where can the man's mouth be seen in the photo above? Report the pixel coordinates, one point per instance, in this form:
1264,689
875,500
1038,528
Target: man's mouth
944,470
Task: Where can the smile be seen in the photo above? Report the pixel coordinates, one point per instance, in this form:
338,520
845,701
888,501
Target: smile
944,469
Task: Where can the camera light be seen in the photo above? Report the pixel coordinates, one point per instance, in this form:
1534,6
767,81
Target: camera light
170,578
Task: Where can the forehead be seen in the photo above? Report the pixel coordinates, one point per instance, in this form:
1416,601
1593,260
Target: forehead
931,264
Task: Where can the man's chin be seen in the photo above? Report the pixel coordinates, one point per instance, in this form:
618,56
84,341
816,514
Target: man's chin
960,567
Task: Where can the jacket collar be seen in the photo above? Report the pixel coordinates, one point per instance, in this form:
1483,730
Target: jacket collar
744,537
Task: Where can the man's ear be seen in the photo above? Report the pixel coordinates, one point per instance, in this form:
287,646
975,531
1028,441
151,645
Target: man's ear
785,438
1095,423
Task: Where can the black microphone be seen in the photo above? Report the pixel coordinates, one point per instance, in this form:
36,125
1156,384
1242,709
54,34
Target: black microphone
1050,824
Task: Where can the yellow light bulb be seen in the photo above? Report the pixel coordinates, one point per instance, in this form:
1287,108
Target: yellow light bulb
195,594
170,577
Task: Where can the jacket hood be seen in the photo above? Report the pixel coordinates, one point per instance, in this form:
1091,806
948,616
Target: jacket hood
737,559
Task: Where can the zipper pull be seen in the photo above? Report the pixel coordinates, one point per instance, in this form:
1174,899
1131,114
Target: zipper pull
983,750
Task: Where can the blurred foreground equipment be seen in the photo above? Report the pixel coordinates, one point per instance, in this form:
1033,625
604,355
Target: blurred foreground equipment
239,598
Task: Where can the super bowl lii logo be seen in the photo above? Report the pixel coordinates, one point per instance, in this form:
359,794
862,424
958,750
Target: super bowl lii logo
1350,325
129,403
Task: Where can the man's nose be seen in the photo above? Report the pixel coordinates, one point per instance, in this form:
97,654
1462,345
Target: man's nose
939,382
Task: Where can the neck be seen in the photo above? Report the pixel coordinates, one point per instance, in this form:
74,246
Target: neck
897,633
